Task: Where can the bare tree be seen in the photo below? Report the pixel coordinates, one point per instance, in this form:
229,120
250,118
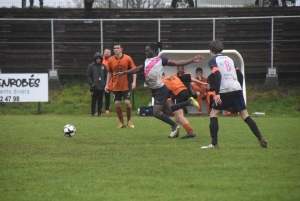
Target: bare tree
78,3
138,4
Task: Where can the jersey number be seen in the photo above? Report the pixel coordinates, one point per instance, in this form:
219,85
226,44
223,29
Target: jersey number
227,65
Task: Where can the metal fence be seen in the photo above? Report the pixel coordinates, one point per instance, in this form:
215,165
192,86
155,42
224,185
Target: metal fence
82,106
102,42
130,3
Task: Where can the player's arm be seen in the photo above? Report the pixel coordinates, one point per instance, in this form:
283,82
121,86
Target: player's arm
217,74
133,85
131,71
196,59
108,77
239,76
206,85
89,75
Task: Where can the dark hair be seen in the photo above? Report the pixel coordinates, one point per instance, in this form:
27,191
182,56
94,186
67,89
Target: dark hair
117,43
199,69
107,48
216,46
155,46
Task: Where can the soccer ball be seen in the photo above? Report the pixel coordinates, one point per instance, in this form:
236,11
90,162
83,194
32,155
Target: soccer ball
69,130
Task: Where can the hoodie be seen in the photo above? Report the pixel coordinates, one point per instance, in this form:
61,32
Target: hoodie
96,74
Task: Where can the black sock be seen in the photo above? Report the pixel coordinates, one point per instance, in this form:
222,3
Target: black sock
165,119
179,106
214,127
252,125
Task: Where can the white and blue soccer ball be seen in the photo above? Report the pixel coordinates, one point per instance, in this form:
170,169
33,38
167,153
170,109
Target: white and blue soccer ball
69,130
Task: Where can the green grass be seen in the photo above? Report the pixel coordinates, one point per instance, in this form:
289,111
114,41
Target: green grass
102,162
74,99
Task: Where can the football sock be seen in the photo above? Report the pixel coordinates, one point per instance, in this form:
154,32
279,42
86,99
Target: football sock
214,127
199,100
163,117
252,125
119,113
188,128
179,105
128,112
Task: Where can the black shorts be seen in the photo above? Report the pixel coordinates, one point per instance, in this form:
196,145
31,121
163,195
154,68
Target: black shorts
160,95
231,100
183,96
118,95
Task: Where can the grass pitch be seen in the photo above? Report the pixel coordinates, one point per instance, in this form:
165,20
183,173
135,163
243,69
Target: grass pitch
102,162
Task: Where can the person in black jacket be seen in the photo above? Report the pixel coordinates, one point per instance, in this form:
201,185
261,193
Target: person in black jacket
96,76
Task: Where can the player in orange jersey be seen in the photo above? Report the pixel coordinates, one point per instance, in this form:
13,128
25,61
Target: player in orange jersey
199,90
180,94
106,55
119,63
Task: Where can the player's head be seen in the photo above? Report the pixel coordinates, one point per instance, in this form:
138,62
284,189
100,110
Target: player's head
98,58
151,49
118,48
216,47
180,70
107,52
199,72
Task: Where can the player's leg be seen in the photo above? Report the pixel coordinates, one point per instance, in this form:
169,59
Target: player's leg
239,105
117,101
197,90
99,98
160,104
107,102
226,98
213,128
126,96
185,123
93,103
183,96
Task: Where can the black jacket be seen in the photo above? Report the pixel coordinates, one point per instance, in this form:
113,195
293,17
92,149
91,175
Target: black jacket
96,74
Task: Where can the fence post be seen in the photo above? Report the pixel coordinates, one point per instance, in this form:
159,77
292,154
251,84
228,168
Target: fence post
271,78
214,28
39,108
53,77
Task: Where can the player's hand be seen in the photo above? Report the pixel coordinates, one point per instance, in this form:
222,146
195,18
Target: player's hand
218,100
206,85
198,58
119,74
106,89
133,86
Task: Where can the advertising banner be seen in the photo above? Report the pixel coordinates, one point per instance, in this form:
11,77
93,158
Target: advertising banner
24,87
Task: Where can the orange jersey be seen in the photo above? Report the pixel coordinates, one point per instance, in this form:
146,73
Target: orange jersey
115,65
203,79
105,62
174,84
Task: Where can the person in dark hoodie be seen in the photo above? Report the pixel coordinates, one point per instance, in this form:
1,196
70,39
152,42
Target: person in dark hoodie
96,76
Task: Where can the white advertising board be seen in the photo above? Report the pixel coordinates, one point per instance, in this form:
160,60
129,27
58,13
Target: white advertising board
24,87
